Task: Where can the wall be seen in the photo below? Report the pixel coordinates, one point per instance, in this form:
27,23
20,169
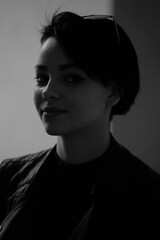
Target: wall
139,130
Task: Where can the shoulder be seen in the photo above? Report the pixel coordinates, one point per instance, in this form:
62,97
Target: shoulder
18,162
16,173
19,167
130,174
128,192
137,170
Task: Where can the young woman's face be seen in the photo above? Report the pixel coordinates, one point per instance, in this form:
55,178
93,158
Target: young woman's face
66,98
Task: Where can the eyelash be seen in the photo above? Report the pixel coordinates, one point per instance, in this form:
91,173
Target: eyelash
75,79
43,80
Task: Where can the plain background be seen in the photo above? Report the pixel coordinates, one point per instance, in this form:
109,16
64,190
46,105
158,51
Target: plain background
21,131
139,130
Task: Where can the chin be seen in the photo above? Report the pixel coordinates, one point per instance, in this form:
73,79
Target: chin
55,131
52,132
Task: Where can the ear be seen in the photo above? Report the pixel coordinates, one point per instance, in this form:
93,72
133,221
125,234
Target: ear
114,95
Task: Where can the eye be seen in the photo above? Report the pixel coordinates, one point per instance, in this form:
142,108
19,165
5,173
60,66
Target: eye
73,79
41,79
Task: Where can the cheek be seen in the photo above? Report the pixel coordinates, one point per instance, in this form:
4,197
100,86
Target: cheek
84,107
37,98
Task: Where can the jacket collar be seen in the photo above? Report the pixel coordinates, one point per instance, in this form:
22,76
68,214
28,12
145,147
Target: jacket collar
111,172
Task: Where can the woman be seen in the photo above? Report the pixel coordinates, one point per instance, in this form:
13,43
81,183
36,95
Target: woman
87,186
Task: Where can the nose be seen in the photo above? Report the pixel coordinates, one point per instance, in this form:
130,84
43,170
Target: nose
51,91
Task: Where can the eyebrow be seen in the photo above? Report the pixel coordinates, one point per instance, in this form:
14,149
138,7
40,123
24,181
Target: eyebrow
62,67
41,67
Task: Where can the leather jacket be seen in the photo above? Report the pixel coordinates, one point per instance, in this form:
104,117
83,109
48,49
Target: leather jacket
126,199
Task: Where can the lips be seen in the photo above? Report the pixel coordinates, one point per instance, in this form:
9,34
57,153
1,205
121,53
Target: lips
52,110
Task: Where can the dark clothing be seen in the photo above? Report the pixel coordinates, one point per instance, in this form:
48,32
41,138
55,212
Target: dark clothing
116,196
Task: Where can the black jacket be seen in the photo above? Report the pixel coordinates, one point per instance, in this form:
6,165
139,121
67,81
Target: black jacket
125,199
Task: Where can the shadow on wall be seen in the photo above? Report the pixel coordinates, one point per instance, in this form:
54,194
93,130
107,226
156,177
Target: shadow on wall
139,130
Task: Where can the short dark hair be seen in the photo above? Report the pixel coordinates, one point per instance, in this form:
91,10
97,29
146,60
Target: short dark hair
102,49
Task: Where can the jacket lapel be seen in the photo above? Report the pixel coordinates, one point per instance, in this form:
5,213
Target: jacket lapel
80,231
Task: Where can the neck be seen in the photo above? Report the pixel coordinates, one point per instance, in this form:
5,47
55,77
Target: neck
83,146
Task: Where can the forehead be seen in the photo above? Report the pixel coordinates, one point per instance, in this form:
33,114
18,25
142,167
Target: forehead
51,53
50,43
